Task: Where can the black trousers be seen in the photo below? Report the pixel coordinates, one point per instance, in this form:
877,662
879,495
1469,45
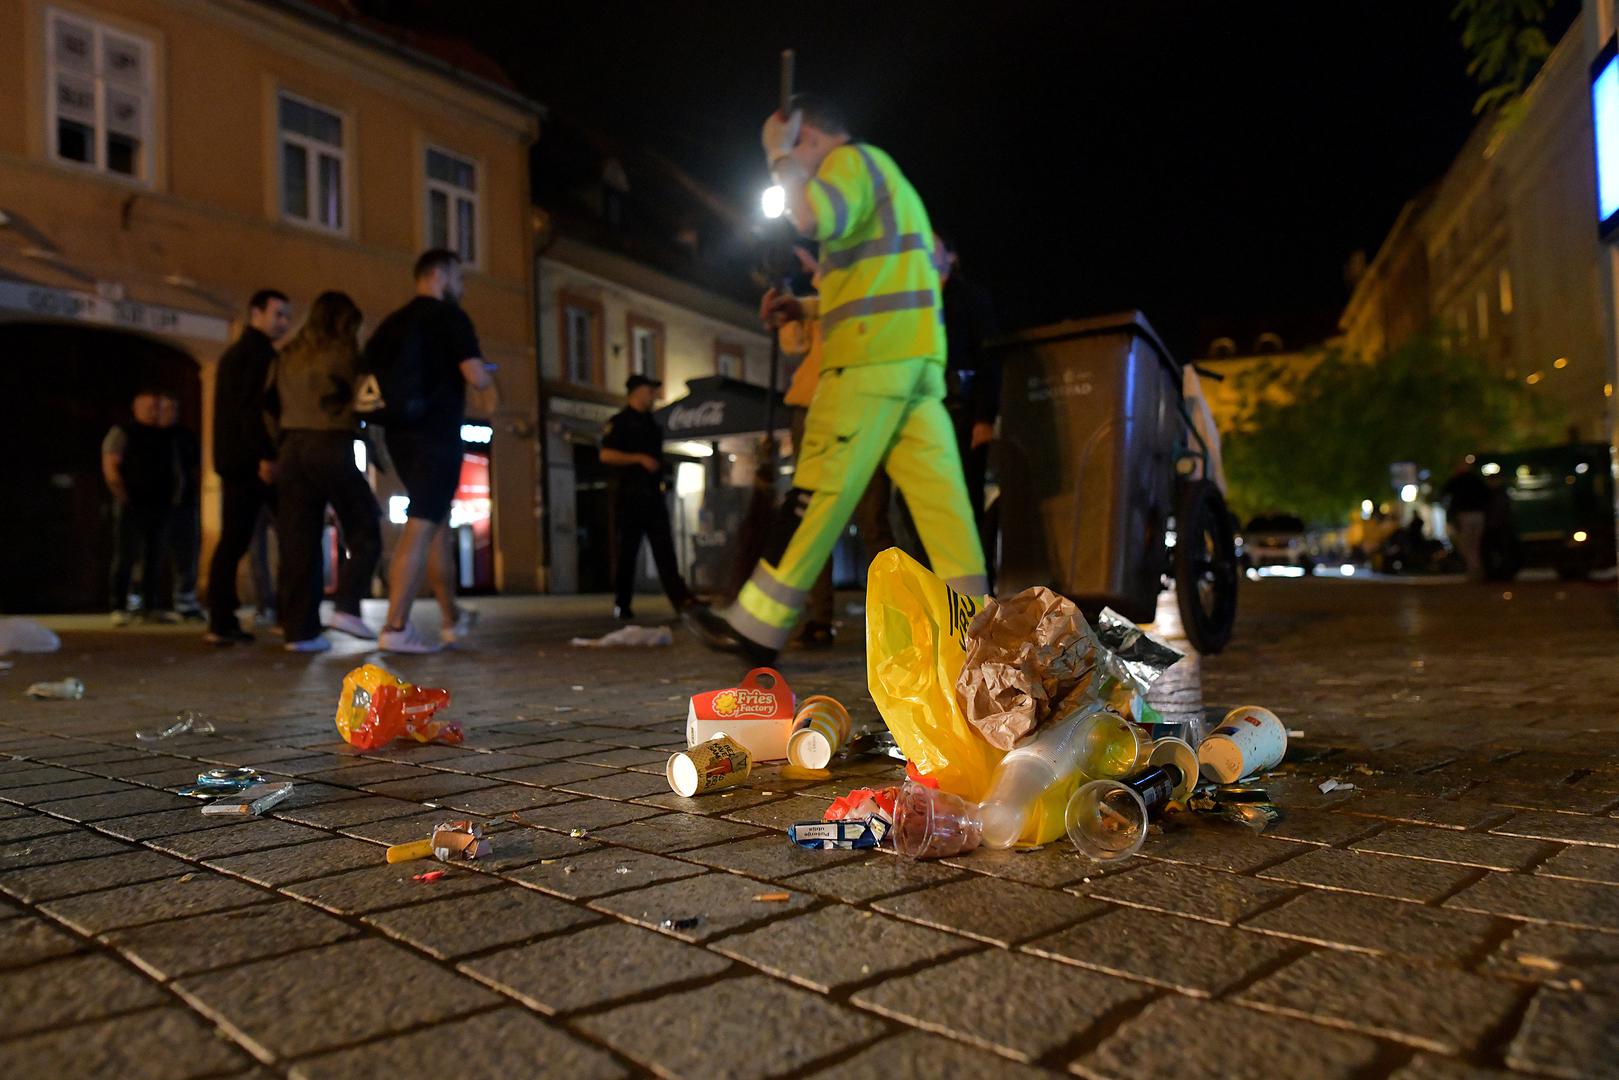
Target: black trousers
317,468
644,514
142,533
243,498
185,546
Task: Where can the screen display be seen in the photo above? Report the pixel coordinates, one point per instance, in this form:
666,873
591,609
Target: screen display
1605,122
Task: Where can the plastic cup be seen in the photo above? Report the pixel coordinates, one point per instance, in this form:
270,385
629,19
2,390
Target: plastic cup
1111,746
933,824
1106,820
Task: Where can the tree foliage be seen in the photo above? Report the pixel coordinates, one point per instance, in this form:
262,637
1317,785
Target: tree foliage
1327,440
1506,44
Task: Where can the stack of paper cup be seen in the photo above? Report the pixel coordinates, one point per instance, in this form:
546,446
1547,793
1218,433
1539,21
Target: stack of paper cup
819,730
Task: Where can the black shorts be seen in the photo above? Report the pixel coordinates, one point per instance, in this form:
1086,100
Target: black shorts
430,469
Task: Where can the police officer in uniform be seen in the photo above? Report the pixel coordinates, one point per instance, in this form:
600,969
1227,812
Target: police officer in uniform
632,443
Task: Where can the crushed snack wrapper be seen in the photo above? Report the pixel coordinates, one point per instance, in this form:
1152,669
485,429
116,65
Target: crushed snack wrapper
1027,656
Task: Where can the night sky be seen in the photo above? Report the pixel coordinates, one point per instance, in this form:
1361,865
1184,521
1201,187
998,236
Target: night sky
1214,164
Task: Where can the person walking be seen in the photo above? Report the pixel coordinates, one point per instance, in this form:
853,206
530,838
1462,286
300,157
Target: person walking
428,350
879,401
139,466
244,456
1466,497
313,404
185,530
632,445
973,373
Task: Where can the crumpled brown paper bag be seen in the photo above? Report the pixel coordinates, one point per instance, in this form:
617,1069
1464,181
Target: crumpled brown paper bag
1025,656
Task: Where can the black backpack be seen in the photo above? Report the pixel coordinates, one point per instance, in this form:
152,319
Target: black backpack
392,390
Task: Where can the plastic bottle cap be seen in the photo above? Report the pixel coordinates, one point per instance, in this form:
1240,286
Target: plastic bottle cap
809,749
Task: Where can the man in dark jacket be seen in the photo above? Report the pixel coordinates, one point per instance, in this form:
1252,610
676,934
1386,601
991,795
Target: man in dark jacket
244,455
973,379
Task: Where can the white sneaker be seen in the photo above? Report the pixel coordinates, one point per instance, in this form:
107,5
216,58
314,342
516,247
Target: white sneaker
465,619
308,645
352,625
405,641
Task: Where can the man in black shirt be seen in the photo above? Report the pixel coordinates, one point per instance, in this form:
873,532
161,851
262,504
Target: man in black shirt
244,455
973,376
632,444
426,449
1466,497
139,464
185,531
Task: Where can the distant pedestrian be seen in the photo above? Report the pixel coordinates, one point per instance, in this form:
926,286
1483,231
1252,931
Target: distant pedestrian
632,444
315,379
1466,497
185,530
426,355
973,372
244,456
138,464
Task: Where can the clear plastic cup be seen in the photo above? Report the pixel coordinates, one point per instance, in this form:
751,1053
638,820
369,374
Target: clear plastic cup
933,824
1113,747
1106,820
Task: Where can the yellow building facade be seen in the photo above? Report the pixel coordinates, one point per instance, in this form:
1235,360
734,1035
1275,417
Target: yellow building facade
160,160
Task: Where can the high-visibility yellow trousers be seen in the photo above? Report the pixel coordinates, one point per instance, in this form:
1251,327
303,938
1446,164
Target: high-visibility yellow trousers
888,415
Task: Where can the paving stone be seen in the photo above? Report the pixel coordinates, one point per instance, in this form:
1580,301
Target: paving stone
349,811
504,799
27,940
1583,863
431,788
1000,912
187,818
618,785
721,903
360,773
1464,849
778,813
594,966
590,814
40,883
1437,1009
771,857
1052,866
326,998
1373,875
1216,846
379,887
27,826
171,950
554,749
718,804
651,761
1186,890
402,830
837,947
513,846
1187,955
153,901
506,1042
463,925
68,990
782,1028
1371,924
114,804
1564,1034
1539,899
28,776
1424,810
674,832
1328,829
1021,1006
249,834
917,1055
547,775
169,1043
1568,828
1565,798
596,871
1428,1067
300,862
485,764
1216,1041
57,847
858,882
1560,956
65,790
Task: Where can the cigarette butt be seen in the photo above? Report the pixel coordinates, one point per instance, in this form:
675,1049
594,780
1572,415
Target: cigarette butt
233,809
772,897
416,849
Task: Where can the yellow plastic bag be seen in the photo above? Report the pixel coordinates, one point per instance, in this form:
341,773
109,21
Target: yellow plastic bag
916,628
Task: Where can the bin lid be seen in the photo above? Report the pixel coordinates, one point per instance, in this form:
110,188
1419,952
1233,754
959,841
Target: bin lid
1119,322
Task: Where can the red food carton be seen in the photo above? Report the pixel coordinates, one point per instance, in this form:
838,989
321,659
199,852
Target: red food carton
758,714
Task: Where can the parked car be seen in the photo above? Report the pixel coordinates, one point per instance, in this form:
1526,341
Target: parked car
1561,501
1276,540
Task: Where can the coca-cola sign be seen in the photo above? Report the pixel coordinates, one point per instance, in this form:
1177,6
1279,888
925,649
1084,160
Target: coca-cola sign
705,414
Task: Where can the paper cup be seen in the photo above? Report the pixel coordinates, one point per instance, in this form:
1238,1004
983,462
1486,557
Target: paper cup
719,762
1181,755
1249,740
819,731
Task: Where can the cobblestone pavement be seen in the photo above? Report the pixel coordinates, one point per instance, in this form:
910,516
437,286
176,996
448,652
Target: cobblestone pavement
1455,914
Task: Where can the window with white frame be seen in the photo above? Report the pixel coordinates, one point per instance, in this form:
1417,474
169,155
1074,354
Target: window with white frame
728,360
452,204
581,339
646,346
100,96
312,163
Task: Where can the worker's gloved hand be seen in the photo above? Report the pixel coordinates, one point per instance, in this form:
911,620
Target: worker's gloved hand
781,135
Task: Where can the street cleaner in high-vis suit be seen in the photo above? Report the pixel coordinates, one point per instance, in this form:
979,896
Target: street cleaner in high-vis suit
879,402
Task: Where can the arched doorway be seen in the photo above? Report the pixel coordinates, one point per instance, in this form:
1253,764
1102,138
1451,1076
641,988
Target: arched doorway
61,387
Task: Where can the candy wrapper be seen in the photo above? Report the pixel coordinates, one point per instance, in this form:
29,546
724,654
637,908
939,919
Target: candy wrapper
863,802
845,833
376,707
459,840
1129,656
1026,657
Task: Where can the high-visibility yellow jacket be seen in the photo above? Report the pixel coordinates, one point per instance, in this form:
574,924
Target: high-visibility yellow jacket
880,295
801,341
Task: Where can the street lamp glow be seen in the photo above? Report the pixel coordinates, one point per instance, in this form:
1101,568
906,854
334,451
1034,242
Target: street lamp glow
1490,468
1408,493
1366,508
774,201
1581,537
1346,570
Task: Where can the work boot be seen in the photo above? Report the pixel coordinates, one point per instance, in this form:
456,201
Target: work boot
817,635
712,630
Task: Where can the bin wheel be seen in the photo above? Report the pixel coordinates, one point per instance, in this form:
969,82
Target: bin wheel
1205,567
